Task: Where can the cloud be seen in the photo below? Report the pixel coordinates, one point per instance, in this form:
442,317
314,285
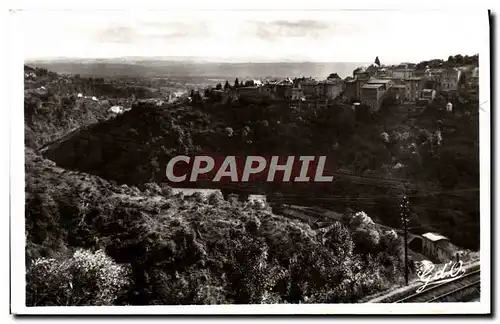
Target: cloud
116,34
302,25
315,29
150,31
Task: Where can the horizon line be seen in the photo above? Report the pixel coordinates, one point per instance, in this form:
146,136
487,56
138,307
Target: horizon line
182,58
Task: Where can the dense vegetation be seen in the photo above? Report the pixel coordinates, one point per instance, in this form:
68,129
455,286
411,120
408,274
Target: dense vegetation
55,110
439,171
452,61
194,250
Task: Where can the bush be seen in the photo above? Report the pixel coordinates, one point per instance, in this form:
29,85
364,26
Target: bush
166,191
152,188
86,279
215,199
361,220
366,240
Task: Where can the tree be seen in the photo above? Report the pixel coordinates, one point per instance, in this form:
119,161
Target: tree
192,93
229,131
334,76
236,83
218,86
361,220
337,239
91,279
366,239
226,85
377,61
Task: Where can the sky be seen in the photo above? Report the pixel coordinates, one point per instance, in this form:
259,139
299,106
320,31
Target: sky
253,36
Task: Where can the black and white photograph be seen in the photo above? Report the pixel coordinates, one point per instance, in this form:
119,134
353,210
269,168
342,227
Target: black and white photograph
293,162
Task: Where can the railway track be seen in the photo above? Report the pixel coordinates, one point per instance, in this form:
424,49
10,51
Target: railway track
467,284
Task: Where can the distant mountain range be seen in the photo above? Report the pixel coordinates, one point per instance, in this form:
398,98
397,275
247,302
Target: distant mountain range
191,67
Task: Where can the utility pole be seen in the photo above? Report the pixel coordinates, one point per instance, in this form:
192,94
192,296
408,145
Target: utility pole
405,218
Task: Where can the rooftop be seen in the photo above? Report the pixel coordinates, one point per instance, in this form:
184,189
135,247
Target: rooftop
379,81
371,86
308,82
434,237
331,81
256,197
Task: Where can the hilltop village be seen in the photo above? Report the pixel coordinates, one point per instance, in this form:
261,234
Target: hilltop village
408,84
411,86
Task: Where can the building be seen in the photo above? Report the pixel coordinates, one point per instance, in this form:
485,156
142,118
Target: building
262,198
427,96
387,82
437,247
474,80
413,87
352,87
450,79
399,91
384,73
269,87
361,74
297,93
253,83
329,89
403,71
309,104
308,86
371,95
252,93
373,92
350,90
284,91
396,81
30,75
116,110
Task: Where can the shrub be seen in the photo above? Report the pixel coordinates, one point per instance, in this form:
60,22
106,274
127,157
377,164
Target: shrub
152,188
215,199
86,279
166,190
198,197
361,219
366,240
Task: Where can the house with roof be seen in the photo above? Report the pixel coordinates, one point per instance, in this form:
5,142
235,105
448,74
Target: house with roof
283,89
255,197
297,93
308,86
413,87
438,247
399,91
427,96
329,89
255,93
403,71
371,95
350,89
450,79
374,91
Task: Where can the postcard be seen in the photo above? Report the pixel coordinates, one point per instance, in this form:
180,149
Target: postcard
250,162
